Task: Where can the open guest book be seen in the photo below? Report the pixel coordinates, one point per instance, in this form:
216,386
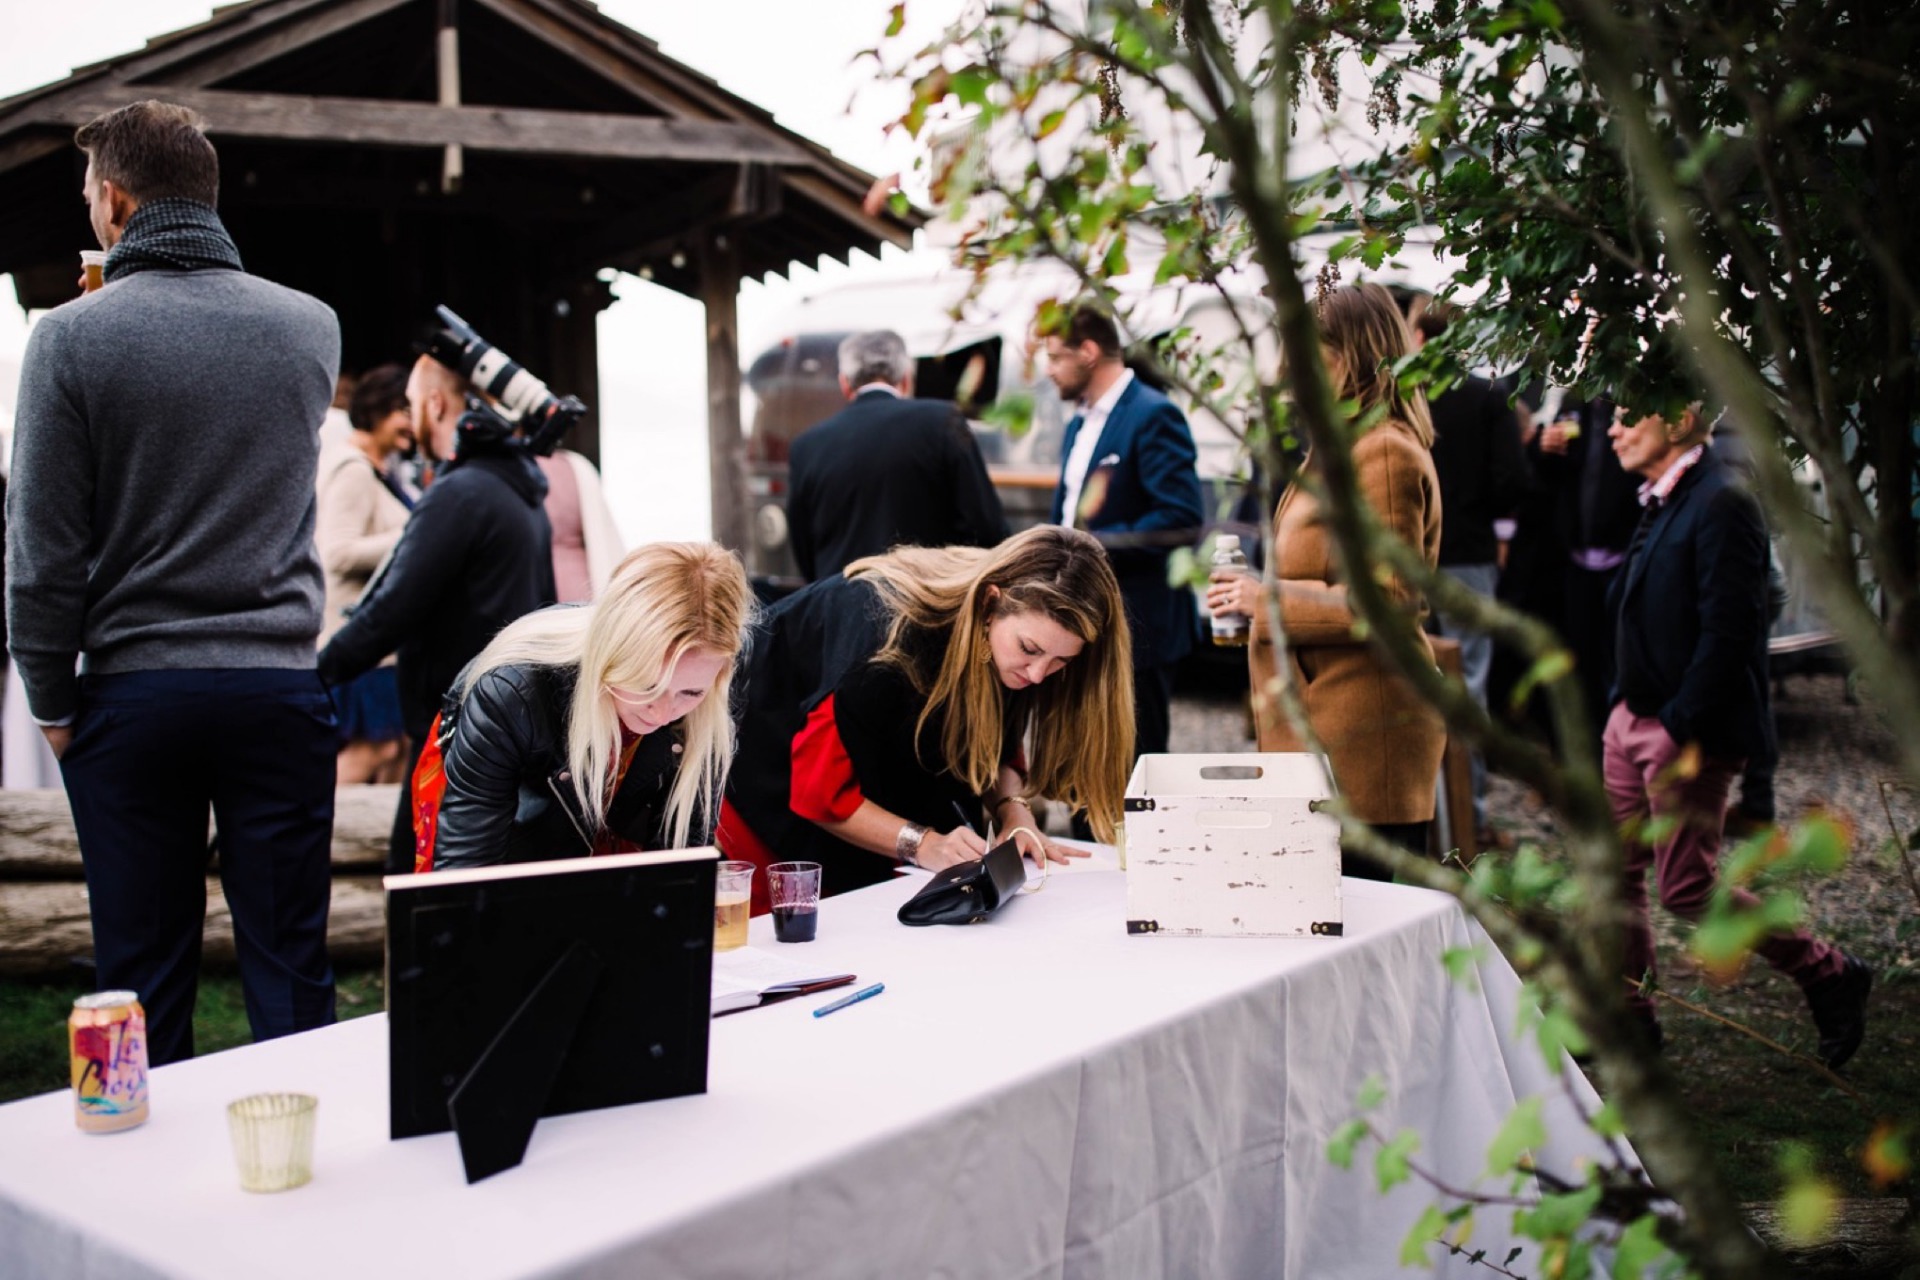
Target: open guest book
745,978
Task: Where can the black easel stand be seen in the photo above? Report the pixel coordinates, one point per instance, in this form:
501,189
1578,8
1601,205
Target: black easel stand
497,1103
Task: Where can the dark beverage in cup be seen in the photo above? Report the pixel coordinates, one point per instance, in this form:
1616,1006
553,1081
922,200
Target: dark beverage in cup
795,924
794,888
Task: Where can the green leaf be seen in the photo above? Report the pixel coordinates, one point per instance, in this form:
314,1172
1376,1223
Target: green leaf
1391,1165
896,20
1807,1209
1340,1146
1558,1034
1463,965
1429,1227
1185,569
1557,1217
1522,1133
1373,1092
1819,844
970,85
1638,1248
1553,666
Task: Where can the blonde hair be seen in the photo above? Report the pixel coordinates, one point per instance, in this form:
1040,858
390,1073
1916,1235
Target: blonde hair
663,601
1366,333
1079,723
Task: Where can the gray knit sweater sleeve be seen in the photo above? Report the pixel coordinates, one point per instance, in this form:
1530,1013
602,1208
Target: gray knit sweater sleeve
46,570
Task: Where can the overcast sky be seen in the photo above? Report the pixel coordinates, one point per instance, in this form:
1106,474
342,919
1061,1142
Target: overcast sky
792,57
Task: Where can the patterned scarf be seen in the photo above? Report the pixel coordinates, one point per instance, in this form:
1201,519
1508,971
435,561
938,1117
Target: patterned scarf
172,234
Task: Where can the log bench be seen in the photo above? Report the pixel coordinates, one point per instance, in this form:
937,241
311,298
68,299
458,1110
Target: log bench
43,894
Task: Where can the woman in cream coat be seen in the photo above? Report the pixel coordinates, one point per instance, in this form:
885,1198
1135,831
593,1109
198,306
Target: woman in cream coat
359,517
1383,742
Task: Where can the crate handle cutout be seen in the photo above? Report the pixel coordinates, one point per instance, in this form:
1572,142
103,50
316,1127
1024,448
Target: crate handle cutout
1231,772
1238,819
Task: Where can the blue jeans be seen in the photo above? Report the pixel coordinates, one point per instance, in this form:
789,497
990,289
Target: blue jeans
152,753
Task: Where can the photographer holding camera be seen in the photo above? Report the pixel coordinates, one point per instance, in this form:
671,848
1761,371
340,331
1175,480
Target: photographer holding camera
475,555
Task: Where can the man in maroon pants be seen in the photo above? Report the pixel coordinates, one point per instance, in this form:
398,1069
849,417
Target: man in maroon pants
1691,653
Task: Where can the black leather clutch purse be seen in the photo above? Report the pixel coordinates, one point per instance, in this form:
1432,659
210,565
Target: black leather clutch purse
967,892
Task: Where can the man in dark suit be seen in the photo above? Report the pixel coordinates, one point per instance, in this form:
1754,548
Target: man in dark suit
1483,477
1689,703
887,470
1127,477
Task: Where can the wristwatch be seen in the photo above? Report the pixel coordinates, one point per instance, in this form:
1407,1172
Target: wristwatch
906,845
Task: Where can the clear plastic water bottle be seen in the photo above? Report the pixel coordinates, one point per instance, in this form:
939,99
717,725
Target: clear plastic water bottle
1230,629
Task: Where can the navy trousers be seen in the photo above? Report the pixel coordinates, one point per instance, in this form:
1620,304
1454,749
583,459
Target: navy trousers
152,753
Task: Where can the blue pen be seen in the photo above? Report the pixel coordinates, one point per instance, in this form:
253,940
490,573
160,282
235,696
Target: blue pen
863,994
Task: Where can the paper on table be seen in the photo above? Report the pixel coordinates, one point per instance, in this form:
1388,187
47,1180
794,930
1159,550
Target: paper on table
744,978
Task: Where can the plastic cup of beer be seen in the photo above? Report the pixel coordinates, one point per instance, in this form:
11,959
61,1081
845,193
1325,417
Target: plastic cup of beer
273,1140
794,888
94,263
732,903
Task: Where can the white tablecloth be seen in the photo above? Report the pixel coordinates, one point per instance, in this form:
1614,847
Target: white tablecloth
1038,1096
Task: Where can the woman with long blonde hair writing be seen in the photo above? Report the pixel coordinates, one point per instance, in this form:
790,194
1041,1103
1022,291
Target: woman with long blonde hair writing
592,729
899,713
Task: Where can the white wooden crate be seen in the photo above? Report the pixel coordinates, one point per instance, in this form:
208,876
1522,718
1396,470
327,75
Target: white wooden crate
1227,846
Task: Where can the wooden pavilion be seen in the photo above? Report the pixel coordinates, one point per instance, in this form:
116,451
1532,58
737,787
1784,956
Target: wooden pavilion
500,156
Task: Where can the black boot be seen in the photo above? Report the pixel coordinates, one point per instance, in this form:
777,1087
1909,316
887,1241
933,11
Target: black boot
1839,1007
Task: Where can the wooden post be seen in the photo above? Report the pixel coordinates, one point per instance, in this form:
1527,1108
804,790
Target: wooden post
572,357
1453,828
446,50
726,446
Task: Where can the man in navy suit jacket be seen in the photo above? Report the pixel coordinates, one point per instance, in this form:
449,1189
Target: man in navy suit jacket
1690,674
1127,477
887,470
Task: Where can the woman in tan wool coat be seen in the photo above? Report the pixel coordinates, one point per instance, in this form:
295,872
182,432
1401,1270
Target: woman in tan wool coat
1383,742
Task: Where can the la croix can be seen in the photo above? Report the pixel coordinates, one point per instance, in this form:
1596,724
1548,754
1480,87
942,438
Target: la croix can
107,1034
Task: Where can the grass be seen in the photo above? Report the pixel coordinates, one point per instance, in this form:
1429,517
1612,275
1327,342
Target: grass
1754,1105
33,1022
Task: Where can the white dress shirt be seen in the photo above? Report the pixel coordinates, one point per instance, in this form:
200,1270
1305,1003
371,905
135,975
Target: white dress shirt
1080,461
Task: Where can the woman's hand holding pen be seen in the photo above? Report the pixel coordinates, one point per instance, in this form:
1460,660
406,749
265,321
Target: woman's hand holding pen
962,844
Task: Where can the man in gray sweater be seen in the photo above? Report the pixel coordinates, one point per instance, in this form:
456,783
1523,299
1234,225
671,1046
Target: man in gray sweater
160,534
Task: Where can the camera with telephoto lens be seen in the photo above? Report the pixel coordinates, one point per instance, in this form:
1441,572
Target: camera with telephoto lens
515,409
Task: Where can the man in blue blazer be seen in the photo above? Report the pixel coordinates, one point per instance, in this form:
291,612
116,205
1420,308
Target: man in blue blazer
1689,703
1127,477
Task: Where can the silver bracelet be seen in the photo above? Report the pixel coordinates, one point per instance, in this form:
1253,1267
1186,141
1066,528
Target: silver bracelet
906,845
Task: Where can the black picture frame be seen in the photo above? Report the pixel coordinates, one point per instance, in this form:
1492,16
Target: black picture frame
545,988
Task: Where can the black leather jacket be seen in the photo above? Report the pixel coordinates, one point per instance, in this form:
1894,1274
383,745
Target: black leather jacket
510,795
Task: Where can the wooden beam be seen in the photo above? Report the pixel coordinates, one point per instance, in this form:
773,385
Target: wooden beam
248,45
29,147
642,79
726,446
845,206
586,134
